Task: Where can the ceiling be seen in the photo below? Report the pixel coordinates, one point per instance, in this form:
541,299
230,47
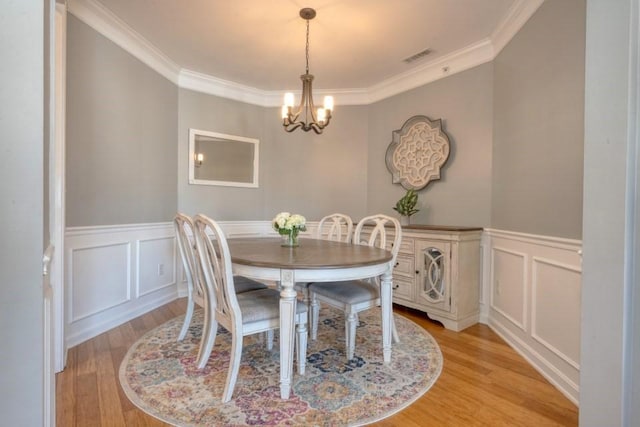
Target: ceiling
356,46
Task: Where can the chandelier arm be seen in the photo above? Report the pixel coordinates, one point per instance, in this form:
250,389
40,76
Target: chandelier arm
292,127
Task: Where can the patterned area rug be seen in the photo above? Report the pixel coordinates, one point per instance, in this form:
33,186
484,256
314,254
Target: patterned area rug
159,376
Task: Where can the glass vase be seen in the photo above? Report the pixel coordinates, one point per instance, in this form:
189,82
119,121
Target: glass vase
290,240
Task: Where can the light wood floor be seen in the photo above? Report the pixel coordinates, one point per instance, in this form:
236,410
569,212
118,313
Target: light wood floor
483,382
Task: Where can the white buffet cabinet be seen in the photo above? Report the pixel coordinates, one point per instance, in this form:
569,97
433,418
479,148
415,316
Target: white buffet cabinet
438,272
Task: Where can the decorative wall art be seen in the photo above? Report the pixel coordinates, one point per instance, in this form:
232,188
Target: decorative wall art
417,152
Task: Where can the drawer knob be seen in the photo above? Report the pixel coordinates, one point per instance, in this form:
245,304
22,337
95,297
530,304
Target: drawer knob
417,271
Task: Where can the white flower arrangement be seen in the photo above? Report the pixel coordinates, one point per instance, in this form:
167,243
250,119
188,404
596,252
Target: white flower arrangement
286,224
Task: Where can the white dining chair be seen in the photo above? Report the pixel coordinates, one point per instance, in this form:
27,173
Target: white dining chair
242,314
183,226
337,227
354,296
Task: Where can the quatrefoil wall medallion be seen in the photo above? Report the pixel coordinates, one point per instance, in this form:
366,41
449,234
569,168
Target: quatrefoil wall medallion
417,152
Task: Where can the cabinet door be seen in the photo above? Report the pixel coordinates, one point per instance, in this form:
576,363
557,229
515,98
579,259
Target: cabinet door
433,260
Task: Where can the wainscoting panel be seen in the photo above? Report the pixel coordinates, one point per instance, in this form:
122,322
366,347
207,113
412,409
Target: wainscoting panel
114,274
156,261
556,289
534,284
509,280
100,279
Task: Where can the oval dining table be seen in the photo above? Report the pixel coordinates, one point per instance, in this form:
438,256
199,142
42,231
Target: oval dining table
313,260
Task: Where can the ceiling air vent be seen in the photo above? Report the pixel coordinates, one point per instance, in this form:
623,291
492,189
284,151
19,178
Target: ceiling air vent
417,56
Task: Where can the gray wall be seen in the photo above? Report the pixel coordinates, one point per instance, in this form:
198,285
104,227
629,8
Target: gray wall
515,126
299,172
538,124
205,112
316,175
121,135
610,280
463,194
21,209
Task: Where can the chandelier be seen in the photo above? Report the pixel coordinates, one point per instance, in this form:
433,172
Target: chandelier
315,120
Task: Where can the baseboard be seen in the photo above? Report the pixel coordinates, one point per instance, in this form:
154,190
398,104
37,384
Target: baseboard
111,322
567,387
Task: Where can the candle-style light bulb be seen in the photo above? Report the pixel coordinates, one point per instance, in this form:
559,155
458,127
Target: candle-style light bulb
328,103
322,115
285,111
288,99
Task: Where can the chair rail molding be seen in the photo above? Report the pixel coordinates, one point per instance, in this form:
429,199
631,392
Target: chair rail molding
531,298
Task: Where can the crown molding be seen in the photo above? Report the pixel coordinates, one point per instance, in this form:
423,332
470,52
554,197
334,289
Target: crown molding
113,28
455,62
109,25
513,21
205,83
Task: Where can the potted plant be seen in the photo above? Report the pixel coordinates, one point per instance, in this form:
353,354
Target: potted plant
406,206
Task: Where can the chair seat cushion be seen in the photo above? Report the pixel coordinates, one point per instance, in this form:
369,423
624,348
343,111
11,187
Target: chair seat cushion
263,304
244,284
350,291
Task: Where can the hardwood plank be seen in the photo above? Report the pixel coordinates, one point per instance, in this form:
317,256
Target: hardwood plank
86,358
149,321
129,334
138,325
116,337
117,355
88,407
140,419
110,406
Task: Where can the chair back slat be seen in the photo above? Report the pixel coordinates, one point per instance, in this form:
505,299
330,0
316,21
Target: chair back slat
215,261
340,227
185,237
376,230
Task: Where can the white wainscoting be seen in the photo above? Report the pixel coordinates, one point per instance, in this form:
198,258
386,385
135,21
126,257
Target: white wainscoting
531,295
118,272
114,274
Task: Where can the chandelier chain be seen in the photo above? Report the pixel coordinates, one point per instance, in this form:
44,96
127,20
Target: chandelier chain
307,48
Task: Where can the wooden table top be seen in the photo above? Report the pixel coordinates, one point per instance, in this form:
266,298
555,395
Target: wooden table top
311,254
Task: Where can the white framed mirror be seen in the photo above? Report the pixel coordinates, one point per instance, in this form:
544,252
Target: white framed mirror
221,159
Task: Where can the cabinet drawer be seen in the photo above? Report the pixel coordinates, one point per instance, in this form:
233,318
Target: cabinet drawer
406,245
404,266
403,289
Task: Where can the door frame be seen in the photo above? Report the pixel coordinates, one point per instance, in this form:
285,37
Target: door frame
57,188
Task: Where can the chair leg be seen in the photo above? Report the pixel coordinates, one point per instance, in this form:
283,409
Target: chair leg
269,339
234,366
187,319
207,342
350,334
306,298
315,313
301,345
394,332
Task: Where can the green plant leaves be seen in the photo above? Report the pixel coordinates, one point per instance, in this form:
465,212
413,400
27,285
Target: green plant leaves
406,206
